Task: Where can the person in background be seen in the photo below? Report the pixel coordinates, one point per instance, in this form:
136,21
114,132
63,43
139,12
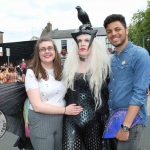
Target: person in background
23,65
46,92
3,75
19,72
24,74
10,66
12,76
128,82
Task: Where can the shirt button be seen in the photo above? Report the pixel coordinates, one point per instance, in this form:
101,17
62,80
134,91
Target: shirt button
110,109
111,90
110,100
113,79
118,58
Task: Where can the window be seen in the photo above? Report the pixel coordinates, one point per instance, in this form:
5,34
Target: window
64,45
109,45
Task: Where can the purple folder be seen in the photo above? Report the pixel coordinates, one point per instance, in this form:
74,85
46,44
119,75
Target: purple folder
114,122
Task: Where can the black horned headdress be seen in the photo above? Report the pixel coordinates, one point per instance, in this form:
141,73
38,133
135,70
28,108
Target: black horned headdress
86,27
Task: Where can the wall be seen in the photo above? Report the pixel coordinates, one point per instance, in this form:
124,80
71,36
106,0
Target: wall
70,42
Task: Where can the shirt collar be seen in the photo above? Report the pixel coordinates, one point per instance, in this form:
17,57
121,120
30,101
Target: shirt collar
126,49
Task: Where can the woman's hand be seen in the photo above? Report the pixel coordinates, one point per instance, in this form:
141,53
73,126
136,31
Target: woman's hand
72,109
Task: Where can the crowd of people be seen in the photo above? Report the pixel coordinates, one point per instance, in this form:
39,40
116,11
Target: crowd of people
69,106
10,73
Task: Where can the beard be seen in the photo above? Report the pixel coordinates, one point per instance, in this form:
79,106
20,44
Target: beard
119,44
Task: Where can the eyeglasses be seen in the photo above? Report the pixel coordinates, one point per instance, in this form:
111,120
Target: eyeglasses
43,49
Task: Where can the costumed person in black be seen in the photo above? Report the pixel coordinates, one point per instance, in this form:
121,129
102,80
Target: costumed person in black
85,75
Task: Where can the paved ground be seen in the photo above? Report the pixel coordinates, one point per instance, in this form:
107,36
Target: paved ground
7,141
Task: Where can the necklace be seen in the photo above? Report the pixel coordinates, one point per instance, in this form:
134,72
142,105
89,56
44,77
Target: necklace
82,59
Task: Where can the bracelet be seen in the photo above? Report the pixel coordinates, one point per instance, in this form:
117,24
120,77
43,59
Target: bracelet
65,111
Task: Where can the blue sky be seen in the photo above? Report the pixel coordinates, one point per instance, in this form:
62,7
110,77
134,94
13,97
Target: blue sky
20,20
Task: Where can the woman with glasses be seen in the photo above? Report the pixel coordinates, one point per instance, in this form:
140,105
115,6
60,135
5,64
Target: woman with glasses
46,92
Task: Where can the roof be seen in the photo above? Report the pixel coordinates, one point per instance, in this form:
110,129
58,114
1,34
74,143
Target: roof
34,38
1,32
59,34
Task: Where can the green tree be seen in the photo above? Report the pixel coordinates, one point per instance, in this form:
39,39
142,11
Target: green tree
139,28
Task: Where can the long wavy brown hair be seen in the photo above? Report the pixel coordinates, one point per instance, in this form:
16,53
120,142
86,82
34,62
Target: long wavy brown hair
36,66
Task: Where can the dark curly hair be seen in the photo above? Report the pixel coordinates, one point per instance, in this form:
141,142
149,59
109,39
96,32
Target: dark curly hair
114,17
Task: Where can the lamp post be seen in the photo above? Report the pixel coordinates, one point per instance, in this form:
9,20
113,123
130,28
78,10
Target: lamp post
145,39
143,42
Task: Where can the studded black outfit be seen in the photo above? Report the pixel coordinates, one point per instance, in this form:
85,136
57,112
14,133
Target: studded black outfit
87,127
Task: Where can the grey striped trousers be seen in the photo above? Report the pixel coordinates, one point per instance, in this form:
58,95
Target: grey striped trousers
45,131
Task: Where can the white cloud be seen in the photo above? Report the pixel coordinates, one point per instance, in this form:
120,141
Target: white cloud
22,19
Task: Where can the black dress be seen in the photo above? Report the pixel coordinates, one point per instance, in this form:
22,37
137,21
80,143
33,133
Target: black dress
87,127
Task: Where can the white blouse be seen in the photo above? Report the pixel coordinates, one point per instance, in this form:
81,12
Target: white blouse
51,90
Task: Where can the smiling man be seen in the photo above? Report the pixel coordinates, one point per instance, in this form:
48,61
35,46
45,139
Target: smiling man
128,82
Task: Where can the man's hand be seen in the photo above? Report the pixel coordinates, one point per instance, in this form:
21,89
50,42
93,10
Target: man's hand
122,135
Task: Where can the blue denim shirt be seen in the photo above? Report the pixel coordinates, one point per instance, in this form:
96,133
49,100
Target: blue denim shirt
129,79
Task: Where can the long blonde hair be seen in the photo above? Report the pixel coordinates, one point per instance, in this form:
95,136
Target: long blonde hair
98,68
